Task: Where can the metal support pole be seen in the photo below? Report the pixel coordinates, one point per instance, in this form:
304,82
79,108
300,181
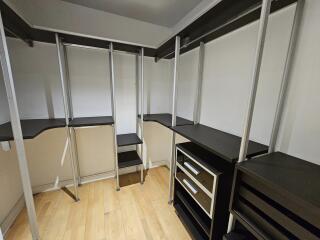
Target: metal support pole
113,108
286,73
66,111
174,115
142,108
264,17
197,103
71,115
17,133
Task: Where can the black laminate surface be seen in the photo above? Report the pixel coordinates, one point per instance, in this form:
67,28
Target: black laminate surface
128,139
30,128
297,179
165,119
91,121
128,159
224,145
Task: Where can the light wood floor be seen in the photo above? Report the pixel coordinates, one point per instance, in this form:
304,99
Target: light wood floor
136,212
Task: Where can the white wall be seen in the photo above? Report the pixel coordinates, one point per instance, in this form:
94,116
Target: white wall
300,132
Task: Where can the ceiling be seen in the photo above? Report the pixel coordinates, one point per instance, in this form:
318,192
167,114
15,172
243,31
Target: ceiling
161,12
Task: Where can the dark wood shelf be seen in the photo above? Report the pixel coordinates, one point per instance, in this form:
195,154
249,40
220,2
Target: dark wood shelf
91,121
165,119
128,139
128,159
295,182
205,225
30,128
224,145
187,220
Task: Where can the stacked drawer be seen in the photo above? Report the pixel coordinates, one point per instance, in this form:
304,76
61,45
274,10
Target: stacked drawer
197,180
195,193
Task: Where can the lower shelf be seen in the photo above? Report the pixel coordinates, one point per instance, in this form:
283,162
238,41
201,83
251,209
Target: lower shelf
197,213
128,159
189,223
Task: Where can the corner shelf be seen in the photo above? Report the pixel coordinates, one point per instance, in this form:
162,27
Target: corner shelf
91,121
165,119
128,139
128,159
30,128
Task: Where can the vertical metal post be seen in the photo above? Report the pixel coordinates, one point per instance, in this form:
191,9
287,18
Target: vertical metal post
264,17
17,133
142,108
72,131
174,115
197,103
286,73
265,11
66,111
113,108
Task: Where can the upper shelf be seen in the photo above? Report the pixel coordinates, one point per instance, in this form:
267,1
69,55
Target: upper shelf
91,121
30,128
294,179
165,119
15,26
224,17
225,145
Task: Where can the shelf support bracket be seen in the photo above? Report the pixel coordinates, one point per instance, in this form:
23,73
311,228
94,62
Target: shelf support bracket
17,133
174,117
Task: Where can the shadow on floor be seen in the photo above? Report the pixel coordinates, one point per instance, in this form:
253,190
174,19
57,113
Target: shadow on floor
131,178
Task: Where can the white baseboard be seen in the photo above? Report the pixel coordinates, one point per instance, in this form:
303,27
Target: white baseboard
12,215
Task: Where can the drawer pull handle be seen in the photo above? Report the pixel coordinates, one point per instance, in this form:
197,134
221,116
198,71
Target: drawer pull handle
189,185
191,168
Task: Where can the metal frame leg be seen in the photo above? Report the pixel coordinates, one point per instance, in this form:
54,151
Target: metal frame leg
113,108
75,152
17,133
264,17
62,71
172,167
174,112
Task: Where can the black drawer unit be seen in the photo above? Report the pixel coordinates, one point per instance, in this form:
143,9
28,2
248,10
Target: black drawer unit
277,196
202,189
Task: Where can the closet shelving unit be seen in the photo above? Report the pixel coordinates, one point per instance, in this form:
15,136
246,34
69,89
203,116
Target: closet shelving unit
211,148
11,25
125,159
221,148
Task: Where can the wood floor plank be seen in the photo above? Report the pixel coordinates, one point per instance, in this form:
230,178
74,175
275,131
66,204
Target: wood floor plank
135,212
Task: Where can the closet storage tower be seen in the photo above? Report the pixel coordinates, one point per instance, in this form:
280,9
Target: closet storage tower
125,159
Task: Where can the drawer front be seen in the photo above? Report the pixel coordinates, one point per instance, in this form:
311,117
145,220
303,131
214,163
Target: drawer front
199,173
204,201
